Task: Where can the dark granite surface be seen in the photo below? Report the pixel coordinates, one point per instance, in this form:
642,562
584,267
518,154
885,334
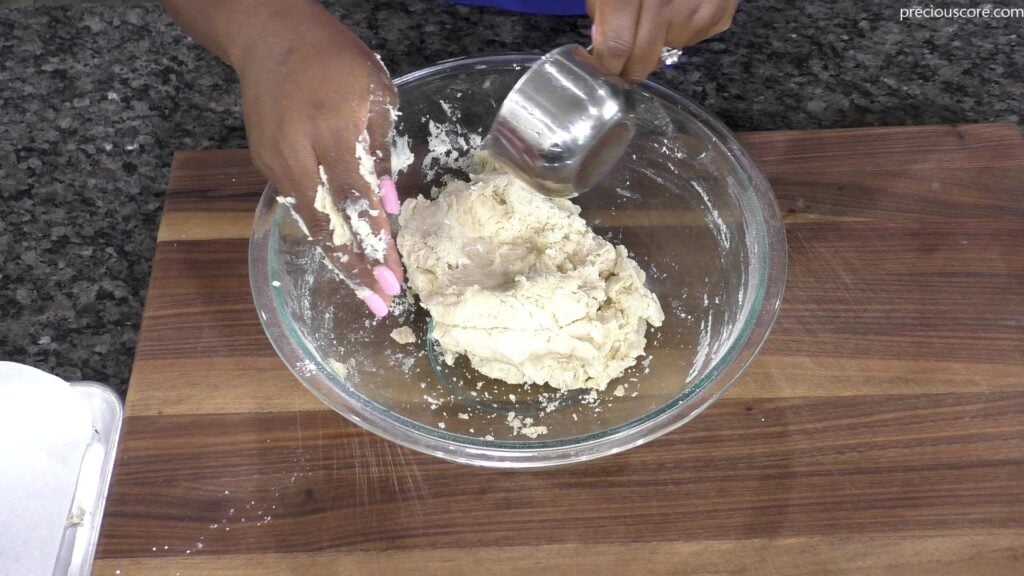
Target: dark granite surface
94,99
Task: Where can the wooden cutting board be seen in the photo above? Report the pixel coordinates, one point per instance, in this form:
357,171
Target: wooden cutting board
880,430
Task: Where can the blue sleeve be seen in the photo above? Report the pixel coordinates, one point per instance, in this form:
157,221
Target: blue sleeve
551,7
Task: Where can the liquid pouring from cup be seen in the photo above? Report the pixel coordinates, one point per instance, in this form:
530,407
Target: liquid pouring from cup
565,123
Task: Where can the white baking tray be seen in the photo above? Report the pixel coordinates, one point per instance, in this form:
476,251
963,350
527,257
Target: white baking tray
58,442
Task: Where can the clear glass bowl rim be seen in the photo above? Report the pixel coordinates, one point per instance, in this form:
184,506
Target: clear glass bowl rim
768,271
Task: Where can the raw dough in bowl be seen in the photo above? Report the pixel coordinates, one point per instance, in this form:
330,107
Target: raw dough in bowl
519,283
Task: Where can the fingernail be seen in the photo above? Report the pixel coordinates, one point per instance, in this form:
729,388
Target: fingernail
387,279
376,304
389,196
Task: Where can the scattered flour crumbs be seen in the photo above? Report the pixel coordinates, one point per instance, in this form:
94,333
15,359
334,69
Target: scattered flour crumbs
403,335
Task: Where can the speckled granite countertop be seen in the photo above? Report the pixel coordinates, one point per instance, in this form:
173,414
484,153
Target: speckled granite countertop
94,100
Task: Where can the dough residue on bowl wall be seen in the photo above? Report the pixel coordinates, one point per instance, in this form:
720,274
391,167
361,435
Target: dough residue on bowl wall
519,284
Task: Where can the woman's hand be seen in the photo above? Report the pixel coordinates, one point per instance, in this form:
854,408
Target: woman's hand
628,35
318,107
318,114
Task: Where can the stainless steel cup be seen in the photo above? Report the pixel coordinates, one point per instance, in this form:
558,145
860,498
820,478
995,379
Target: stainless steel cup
564,125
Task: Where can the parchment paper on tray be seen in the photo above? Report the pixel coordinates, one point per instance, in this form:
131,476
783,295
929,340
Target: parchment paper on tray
57,447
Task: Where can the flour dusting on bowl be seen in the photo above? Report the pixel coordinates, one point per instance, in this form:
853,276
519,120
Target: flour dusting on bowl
686,202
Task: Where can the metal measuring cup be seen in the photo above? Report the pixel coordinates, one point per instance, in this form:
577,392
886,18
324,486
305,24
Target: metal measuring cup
565,124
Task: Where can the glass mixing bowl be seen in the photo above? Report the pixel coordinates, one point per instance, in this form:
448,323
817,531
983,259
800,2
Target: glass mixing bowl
685,200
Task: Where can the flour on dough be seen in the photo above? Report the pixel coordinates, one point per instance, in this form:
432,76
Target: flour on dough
519,284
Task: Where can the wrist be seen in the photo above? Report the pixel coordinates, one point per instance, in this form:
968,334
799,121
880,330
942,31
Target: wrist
277,27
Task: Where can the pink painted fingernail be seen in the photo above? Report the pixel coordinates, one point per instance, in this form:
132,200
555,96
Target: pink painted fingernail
376,304
387,279
389,196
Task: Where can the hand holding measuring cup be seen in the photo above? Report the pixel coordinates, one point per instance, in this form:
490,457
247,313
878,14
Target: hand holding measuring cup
629,35
569,119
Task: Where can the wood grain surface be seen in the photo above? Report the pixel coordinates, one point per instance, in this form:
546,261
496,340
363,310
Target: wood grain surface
880,430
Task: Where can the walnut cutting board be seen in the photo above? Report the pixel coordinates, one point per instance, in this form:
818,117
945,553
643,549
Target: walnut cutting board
880,430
